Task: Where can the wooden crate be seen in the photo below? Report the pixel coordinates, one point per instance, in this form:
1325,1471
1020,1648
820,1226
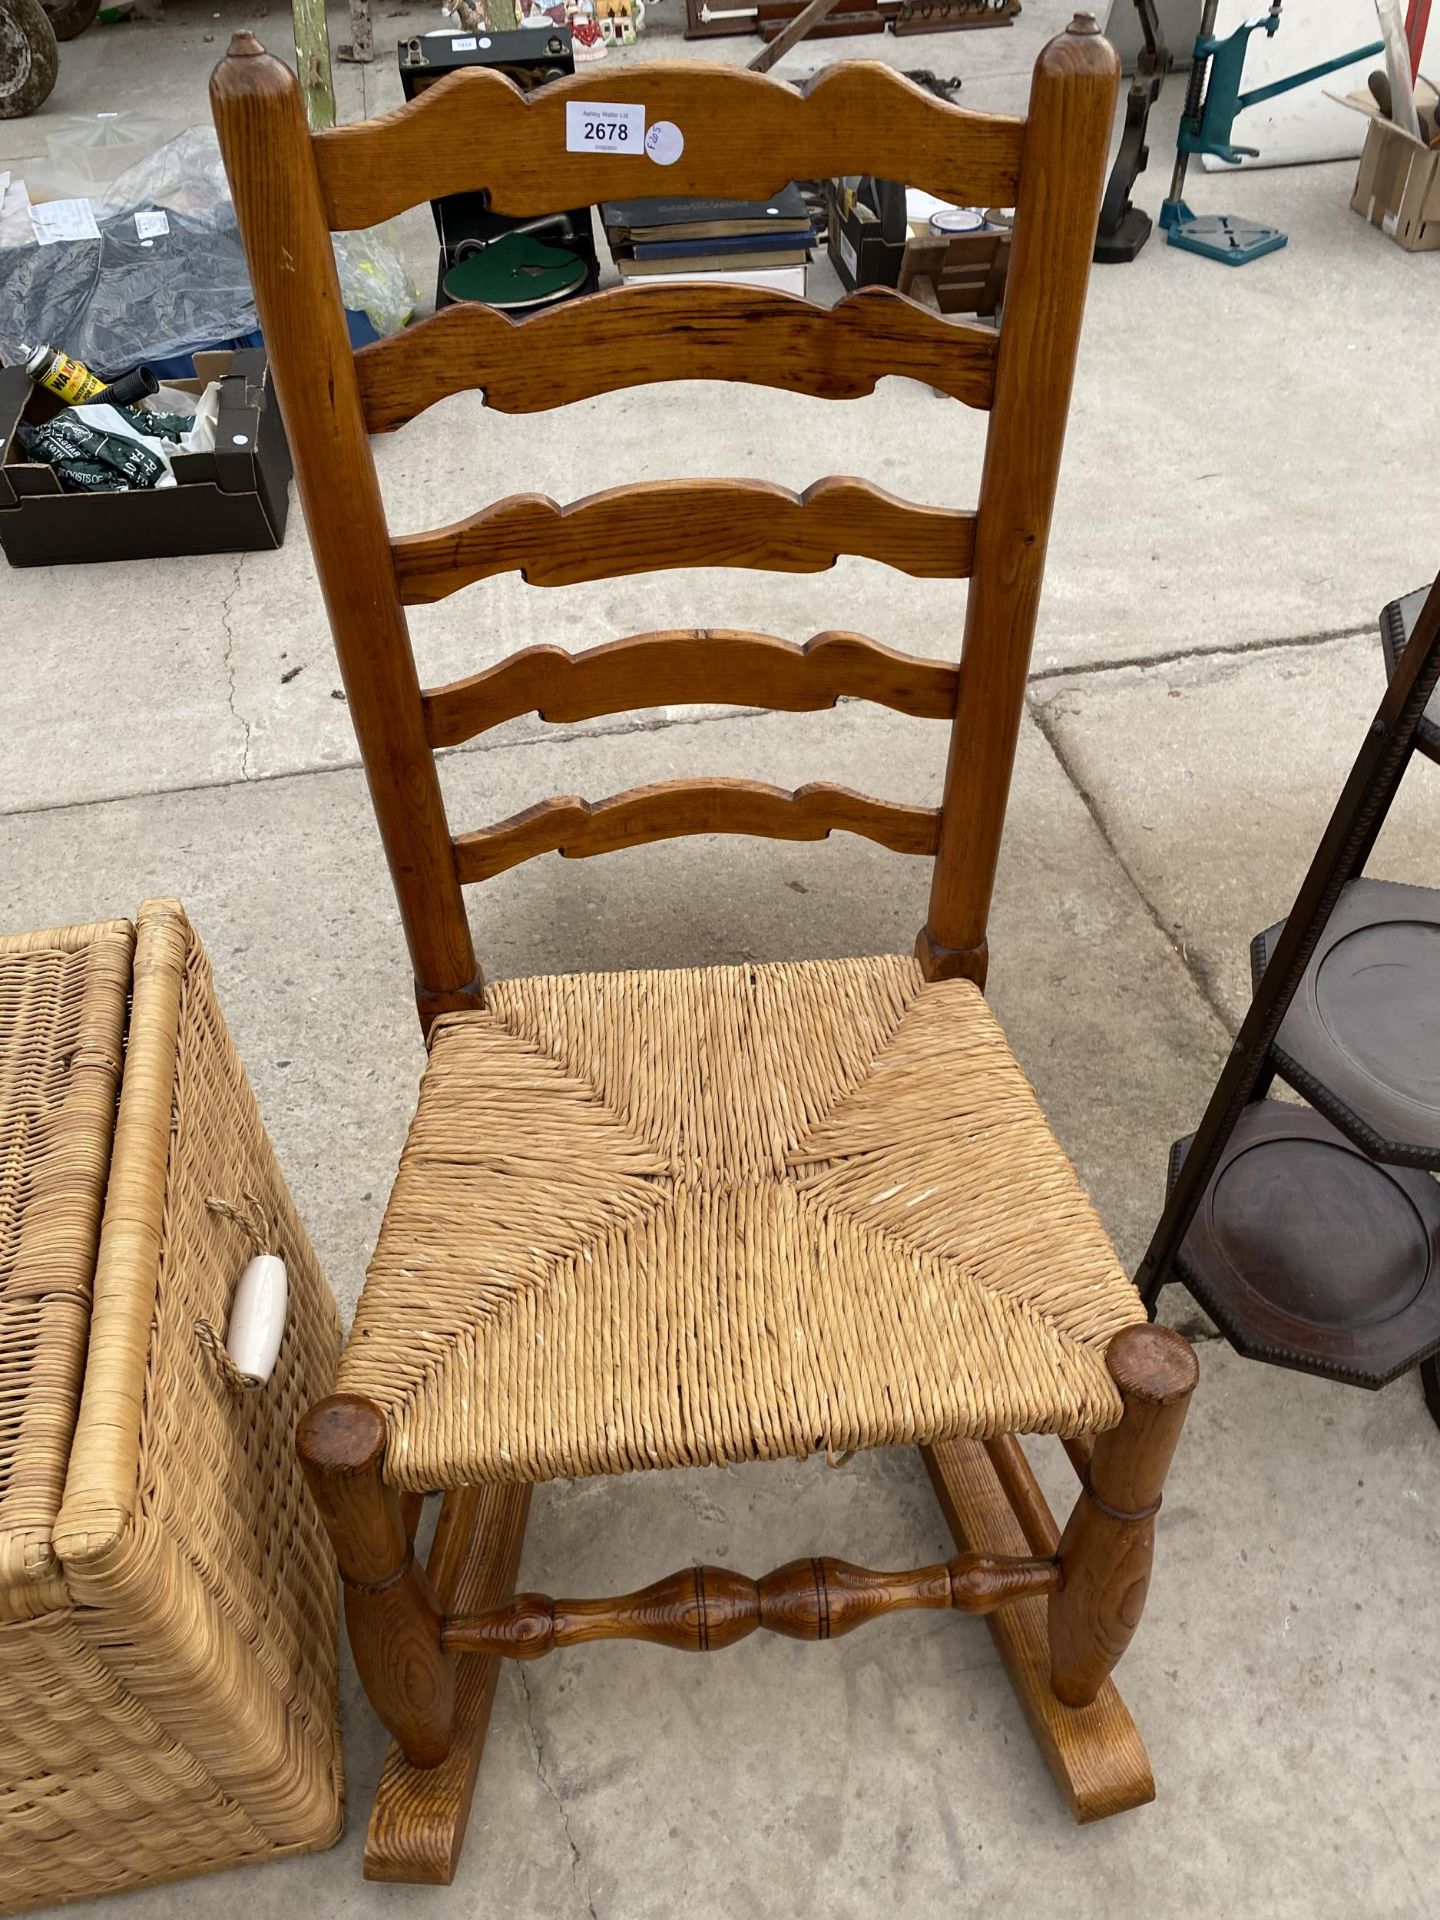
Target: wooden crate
966,271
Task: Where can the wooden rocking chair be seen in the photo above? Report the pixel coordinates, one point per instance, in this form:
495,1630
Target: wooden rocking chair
697,1217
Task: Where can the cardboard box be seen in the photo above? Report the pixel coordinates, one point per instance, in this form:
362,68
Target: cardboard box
1398,186
232,500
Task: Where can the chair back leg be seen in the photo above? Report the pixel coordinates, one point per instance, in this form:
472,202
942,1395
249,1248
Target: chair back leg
1108,1543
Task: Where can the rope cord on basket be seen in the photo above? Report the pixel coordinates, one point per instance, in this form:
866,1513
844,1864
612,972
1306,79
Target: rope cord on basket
256,1224
250,1216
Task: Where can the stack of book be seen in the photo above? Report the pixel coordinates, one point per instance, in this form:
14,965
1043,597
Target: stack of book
762,243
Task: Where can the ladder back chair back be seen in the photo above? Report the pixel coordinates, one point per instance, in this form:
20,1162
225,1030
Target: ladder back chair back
743,134
736,1278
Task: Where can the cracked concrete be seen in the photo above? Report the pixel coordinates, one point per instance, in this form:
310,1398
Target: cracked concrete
1046,715
1215,815
577,1863
1230,520
1168,657
227,629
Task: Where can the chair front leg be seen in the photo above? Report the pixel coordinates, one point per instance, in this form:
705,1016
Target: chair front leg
390,1612
1108,1542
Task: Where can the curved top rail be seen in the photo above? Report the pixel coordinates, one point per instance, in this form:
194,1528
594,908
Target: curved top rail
740,134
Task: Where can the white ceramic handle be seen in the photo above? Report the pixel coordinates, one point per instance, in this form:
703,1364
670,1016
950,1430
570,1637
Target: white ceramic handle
257,1319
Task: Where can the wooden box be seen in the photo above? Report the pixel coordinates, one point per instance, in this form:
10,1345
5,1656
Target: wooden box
1398,186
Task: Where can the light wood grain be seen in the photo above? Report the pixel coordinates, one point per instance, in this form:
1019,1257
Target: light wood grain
684,667
1094,1752
745,137
684,523
391,1614
1109,1541
1067,143
260,118
702,1609
417,1827
631,336
673,809
1022,1491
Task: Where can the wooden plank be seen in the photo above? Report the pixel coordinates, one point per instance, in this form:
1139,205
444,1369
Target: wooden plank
417,1827
1094,1752
810,16
682,668
684,523
744,135
836,26
770,11
722,22
362,34
312,57
675,808
634,335
951,16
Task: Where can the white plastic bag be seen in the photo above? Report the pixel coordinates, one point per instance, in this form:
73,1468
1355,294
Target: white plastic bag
115,425
199,437
373,278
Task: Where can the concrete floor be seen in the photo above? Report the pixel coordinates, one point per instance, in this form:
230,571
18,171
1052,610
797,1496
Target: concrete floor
1232,516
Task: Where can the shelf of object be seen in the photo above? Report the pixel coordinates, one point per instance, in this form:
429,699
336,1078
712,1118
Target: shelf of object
1361,1038
1308,1254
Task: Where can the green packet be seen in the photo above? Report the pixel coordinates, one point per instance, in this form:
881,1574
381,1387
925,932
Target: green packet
160,426
74,450
88,476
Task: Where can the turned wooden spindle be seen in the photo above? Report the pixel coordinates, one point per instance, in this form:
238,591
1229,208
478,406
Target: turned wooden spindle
1109,1540
701,1609
390,1612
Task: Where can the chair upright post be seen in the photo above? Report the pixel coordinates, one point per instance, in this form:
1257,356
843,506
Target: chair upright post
260,118
1062,176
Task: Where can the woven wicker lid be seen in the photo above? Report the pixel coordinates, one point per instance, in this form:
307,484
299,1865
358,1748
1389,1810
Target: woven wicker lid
63,997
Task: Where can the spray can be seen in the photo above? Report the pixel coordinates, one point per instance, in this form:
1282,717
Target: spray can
71,379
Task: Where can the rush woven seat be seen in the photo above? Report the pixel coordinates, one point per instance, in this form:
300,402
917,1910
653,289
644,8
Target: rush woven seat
681,1218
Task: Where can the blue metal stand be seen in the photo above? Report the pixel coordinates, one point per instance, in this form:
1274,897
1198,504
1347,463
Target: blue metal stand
1212,101
1225,237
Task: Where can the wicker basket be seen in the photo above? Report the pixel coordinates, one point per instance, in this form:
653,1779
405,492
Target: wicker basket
167,1596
